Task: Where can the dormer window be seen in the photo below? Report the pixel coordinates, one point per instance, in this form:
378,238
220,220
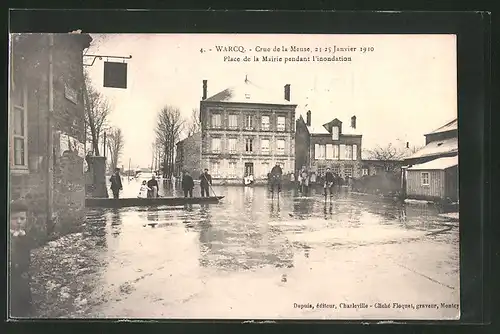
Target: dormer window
335,133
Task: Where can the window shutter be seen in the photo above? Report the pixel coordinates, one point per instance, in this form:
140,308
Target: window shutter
342,152
354,152
316,151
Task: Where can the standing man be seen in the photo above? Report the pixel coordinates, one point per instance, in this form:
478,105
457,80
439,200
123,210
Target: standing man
153,187
116,183
329,181
205,183
276,173
187,184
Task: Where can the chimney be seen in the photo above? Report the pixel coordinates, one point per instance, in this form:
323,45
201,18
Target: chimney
204,90
308,118
353,122
287,92
407,144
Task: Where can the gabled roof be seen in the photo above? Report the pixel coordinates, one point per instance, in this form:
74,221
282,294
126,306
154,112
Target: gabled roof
320,128
437,147
437,164
247,92
452,125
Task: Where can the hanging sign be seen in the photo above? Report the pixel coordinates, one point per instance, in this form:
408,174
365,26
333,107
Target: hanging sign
115,75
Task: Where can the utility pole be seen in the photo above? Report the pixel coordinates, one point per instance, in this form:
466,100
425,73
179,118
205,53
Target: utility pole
49,183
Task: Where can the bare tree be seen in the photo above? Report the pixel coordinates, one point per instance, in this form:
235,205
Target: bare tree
115,144
97,109
194,123
168,129
391,156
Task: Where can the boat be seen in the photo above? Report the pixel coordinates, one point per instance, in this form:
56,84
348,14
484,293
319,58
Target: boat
130,202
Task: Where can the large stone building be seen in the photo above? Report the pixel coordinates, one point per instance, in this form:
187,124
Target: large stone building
245,131
335,145
46,163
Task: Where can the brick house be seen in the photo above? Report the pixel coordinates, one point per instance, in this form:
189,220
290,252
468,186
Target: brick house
334,144
245,131
188,156
432,172
29,165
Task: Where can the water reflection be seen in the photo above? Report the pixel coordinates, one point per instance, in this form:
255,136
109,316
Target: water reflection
116,222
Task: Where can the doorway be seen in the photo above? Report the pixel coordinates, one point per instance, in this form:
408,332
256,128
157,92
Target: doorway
248,168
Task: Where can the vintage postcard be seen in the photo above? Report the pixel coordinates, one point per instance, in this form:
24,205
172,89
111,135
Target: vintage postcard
234,176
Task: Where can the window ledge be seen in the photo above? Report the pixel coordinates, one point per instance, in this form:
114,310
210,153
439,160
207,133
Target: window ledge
19,170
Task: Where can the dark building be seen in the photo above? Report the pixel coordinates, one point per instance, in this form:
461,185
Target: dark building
47,163
335,145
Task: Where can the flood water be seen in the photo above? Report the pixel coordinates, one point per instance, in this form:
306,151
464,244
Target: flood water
254,257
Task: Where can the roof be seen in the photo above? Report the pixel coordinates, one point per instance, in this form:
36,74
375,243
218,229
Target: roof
452,125
248,92
436,148
319,129
437,164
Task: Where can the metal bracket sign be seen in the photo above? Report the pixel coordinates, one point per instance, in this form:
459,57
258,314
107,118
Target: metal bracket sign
115,73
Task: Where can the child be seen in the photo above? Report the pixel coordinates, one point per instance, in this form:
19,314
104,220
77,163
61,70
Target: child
143,192
20,260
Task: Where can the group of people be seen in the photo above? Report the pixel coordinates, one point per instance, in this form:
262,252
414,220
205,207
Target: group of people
329,180
187,184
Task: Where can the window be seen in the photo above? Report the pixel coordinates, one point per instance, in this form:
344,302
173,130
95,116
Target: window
216,145
264,146
249,145
216,120
354,152
249,122
336,170
19,127
348,171
281,123
233,121
348,152
342,152
265,123
232,169
365,171
336,152
232,145
215,168
335,133
425,178
280,146
329,152
320,152
321,170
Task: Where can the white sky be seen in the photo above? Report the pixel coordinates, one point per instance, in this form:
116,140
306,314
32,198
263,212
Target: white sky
406,87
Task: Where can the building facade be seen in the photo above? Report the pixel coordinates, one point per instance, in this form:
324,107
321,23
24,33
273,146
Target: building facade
188,156
46,159
333,145
244,131
432,172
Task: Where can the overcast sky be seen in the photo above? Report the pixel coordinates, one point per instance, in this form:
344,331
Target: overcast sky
404,88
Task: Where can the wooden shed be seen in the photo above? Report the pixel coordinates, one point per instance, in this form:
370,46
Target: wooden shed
435,180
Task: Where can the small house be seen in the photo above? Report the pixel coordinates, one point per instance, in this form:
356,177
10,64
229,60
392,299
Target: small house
435,180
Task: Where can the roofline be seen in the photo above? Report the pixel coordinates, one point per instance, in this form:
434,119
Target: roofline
329,134
435,133
421,169
442,126
253,103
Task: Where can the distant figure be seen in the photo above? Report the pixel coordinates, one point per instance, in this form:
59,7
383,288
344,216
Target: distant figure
143,191
329,181
205,183
116,183
187,184
313,177
21,244
276,176
304,180
153,187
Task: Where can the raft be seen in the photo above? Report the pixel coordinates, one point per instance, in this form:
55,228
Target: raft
129,202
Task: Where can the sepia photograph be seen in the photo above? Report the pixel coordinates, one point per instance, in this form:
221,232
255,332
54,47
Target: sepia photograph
233,176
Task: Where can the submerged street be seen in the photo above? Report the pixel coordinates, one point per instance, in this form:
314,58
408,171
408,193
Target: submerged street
251,257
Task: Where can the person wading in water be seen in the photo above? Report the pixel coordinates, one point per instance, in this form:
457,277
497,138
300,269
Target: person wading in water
205,183
116,183
276,174
329,182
